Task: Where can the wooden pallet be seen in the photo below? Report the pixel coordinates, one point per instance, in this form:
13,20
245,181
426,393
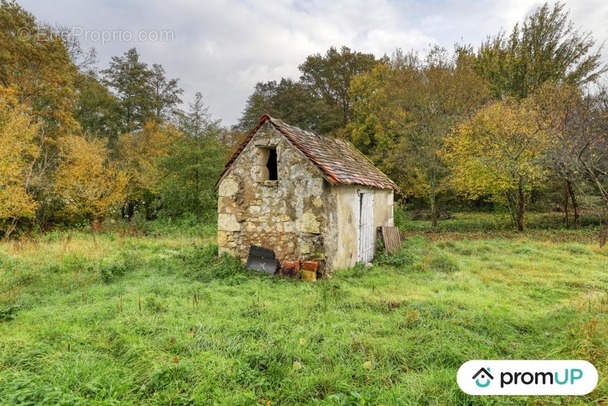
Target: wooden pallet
391,238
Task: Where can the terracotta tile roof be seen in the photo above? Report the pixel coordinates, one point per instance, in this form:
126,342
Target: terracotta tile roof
339,161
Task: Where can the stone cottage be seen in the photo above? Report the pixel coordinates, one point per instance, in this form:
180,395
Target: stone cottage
304,196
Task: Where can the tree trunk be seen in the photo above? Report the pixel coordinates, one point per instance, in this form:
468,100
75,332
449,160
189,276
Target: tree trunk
433,201
198,196
11,227
510,199
95,225
566,206
603,234
604,193
521,205
128,210
575,207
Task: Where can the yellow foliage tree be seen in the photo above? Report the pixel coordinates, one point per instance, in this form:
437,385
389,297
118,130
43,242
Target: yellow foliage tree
500,153
36,64
18,154
139,155
404,111
85,182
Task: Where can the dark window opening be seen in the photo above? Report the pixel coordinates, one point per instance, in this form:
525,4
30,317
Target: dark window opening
273,172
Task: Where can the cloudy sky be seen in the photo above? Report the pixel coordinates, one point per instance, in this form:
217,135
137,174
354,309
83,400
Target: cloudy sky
222,48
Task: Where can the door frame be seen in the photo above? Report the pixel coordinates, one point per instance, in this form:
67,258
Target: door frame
365,225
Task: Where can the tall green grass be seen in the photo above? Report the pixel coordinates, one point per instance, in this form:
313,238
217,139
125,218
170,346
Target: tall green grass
537,224
119,319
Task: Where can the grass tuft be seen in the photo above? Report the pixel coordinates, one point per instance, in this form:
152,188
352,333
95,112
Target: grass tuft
161,319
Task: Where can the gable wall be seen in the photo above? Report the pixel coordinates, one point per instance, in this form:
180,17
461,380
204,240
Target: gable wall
291,216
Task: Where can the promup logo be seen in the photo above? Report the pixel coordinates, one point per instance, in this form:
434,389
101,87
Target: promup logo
484,376
527,377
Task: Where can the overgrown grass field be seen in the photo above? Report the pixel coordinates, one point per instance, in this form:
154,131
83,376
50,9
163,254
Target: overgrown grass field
113,319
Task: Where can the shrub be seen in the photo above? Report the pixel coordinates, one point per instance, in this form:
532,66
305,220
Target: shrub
8,313
109,272
437,261
400,259
578,249
442,262
205,265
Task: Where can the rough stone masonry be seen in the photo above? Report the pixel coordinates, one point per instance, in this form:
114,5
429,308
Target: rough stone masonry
290,215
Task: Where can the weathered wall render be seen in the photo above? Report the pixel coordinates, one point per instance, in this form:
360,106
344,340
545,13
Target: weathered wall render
289,215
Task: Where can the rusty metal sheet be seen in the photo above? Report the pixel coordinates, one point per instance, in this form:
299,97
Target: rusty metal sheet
262,260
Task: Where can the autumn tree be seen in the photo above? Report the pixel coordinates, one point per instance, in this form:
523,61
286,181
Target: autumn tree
18,155
499,153
87,184
588,127
36,68
58,118
545,48
561,108
35,63
404,111
138,155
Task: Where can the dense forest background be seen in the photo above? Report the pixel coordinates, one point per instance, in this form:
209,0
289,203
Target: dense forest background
516,122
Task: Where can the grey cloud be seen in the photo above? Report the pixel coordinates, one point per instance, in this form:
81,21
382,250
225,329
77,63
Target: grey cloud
223,47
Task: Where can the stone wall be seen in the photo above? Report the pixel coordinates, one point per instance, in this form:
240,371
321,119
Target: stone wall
290,215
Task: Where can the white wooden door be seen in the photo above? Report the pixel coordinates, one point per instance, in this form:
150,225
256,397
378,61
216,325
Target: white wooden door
366,226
